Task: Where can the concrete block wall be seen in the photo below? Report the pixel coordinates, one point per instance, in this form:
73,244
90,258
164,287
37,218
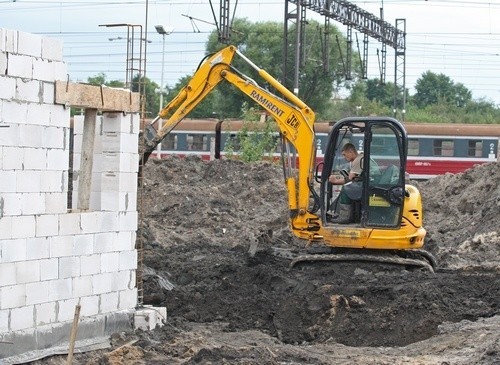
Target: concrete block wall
53,258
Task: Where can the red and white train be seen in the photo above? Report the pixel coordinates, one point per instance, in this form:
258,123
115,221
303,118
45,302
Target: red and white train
433,149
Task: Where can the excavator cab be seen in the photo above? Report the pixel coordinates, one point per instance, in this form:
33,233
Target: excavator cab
377,195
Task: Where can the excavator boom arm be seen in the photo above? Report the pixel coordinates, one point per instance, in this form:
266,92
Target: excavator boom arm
293,117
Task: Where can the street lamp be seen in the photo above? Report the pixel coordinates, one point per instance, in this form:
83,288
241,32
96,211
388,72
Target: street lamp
163,31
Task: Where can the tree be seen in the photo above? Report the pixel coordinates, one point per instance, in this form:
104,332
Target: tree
438,88
148,90
263,44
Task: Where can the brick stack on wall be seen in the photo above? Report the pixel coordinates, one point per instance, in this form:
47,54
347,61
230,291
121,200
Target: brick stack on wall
53,256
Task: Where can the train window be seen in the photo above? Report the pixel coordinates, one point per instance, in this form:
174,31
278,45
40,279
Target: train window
413,147
475,148
197,142
443,147
170,142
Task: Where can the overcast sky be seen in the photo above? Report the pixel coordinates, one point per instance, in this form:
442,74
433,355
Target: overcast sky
460,39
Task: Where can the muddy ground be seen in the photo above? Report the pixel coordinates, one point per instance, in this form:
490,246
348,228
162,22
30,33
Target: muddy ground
227,306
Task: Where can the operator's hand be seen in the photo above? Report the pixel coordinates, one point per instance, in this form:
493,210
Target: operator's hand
336,179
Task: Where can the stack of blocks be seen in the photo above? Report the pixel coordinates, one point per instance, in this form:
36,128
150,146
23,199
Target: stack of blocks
52,257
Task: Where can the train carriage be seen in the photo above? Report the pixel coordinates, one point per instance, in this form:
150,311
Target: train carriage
433,149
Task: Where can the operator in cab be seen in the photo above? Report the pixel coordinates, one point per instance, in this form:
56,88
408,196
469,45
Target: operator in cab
342,207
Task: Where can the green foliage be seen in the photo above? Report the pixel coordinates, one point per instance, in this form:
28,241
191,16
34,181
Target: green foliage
262,43
438,88
147,88
255,140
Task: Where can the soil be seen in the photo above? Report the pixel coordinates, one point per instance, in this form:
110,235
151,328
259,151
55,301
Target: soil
229,303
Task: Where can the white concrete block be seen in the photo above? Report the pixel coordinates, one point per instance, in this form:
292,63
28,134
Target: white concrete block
11,204
3,64
56,203
45,313
28,181
29,44
78,124
13,250
5,224
90,265
135,120
103,242
84,244
102,283
32,203
67,309
61,71
82,286
52,49
69,267
128,260
124,241
22,318
119,142
39,114
128,221
15,113
60,116
47,225
31,136
108,222
119,181
89,222
9,136
60,289
49,269
10,40
12,156
27,271
111,201
45,70
27,90
110,261
7,84
127,299
37,248
34,158
57,159
69,224
7,274
48,92
89,306
118,122
20,66
13,296
109,302
148,318
61,246
8,181
121,280
53,137
54,181
95,201
77,149
23,226
37,293
4,320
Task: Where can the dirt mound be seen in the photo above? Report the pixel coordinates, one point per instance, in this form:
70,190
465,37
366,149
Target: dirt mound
228,307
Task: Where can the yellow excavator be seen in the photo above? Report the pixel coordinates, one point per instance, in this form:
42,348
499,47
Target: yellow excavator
385,214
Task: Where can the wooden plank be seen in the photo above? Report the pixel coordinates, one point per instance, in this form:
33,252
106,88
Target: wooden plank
96,97
87,159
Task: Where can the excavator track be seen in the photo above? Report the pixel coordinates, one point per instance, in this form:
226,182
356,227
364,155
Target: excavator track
412,258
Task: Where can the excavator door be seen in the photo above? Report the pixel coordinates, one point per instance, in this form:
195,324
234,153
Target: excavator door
378,194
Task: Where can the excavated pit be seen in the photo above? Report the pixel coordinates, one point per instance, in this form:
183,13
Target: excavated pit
226,306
